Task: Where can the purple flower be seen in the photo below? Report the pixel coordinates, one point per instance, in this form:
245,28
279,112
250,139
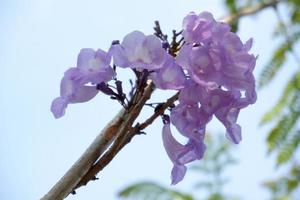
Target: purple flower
198,28
190,120
220,84
225,105
218,60
180,154
139,51
92,67
170,76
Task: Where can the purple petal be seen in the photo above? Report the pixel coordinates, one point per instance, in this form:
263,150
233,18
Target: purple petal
157,53
84,57
105,57
119,56
83,94
58,107
178,173
190,120
69,83
172,146
132,42
93,67
181,154
170,76
248,44
198,29
228,117
139,51
190,94
183,58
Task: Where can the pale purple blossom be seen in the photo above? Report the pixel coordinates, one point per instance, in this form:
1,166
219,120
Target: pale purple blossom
170,76
180,154
220,84
139,51
198,28
190,120
92,68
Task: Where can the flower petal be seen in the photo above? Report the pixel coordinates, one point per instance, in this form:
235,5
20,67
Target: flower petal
178,173
83,94
58,107
170,76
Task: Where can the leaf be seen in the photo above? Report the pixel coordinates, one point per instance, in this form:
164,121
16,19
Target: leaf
232,7
271,69
288,148
279,133
277,60
285,99
152,191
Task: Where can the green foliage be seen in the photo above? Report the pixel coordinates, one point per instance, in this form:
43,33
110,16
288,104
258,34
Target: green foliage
282,188
295,11
277,60
288,148
284,138
232,8
279,133
152,191
286,98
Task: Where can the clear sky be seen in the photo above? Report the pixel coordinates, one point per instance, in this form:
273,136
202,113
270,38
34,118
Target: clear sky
39,40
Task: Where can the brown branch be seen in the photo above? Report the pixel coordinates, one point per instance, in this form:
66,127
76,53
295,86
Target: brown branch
124,138
158,112
66,184
249,10
124,135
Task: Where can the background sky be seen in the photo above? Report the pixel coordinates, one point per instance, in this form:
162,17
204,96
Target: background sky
39,40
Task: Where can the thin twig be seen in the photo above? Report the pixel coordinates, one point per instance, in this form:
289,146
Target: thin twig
158,112
249,10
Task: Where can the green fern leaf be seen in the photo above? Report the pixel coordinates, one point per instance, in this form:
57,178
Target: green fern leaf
284,100
277,60
288,148
280,132
271,69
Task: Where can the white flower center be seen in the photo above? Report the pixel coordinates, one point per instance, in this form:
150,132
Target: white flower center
140,54
95,64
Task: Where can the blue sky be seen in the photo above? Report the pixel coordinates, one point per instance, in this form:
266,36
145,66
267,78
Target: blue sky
40,39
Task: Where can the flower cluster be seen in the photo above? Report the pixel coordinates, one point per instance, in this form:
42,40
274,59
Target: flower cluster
221,83
212,71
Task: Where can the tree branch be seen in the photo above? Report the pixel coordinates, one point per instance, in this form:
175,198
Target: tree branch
66,184
124,138
249,10
158,112
125,133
